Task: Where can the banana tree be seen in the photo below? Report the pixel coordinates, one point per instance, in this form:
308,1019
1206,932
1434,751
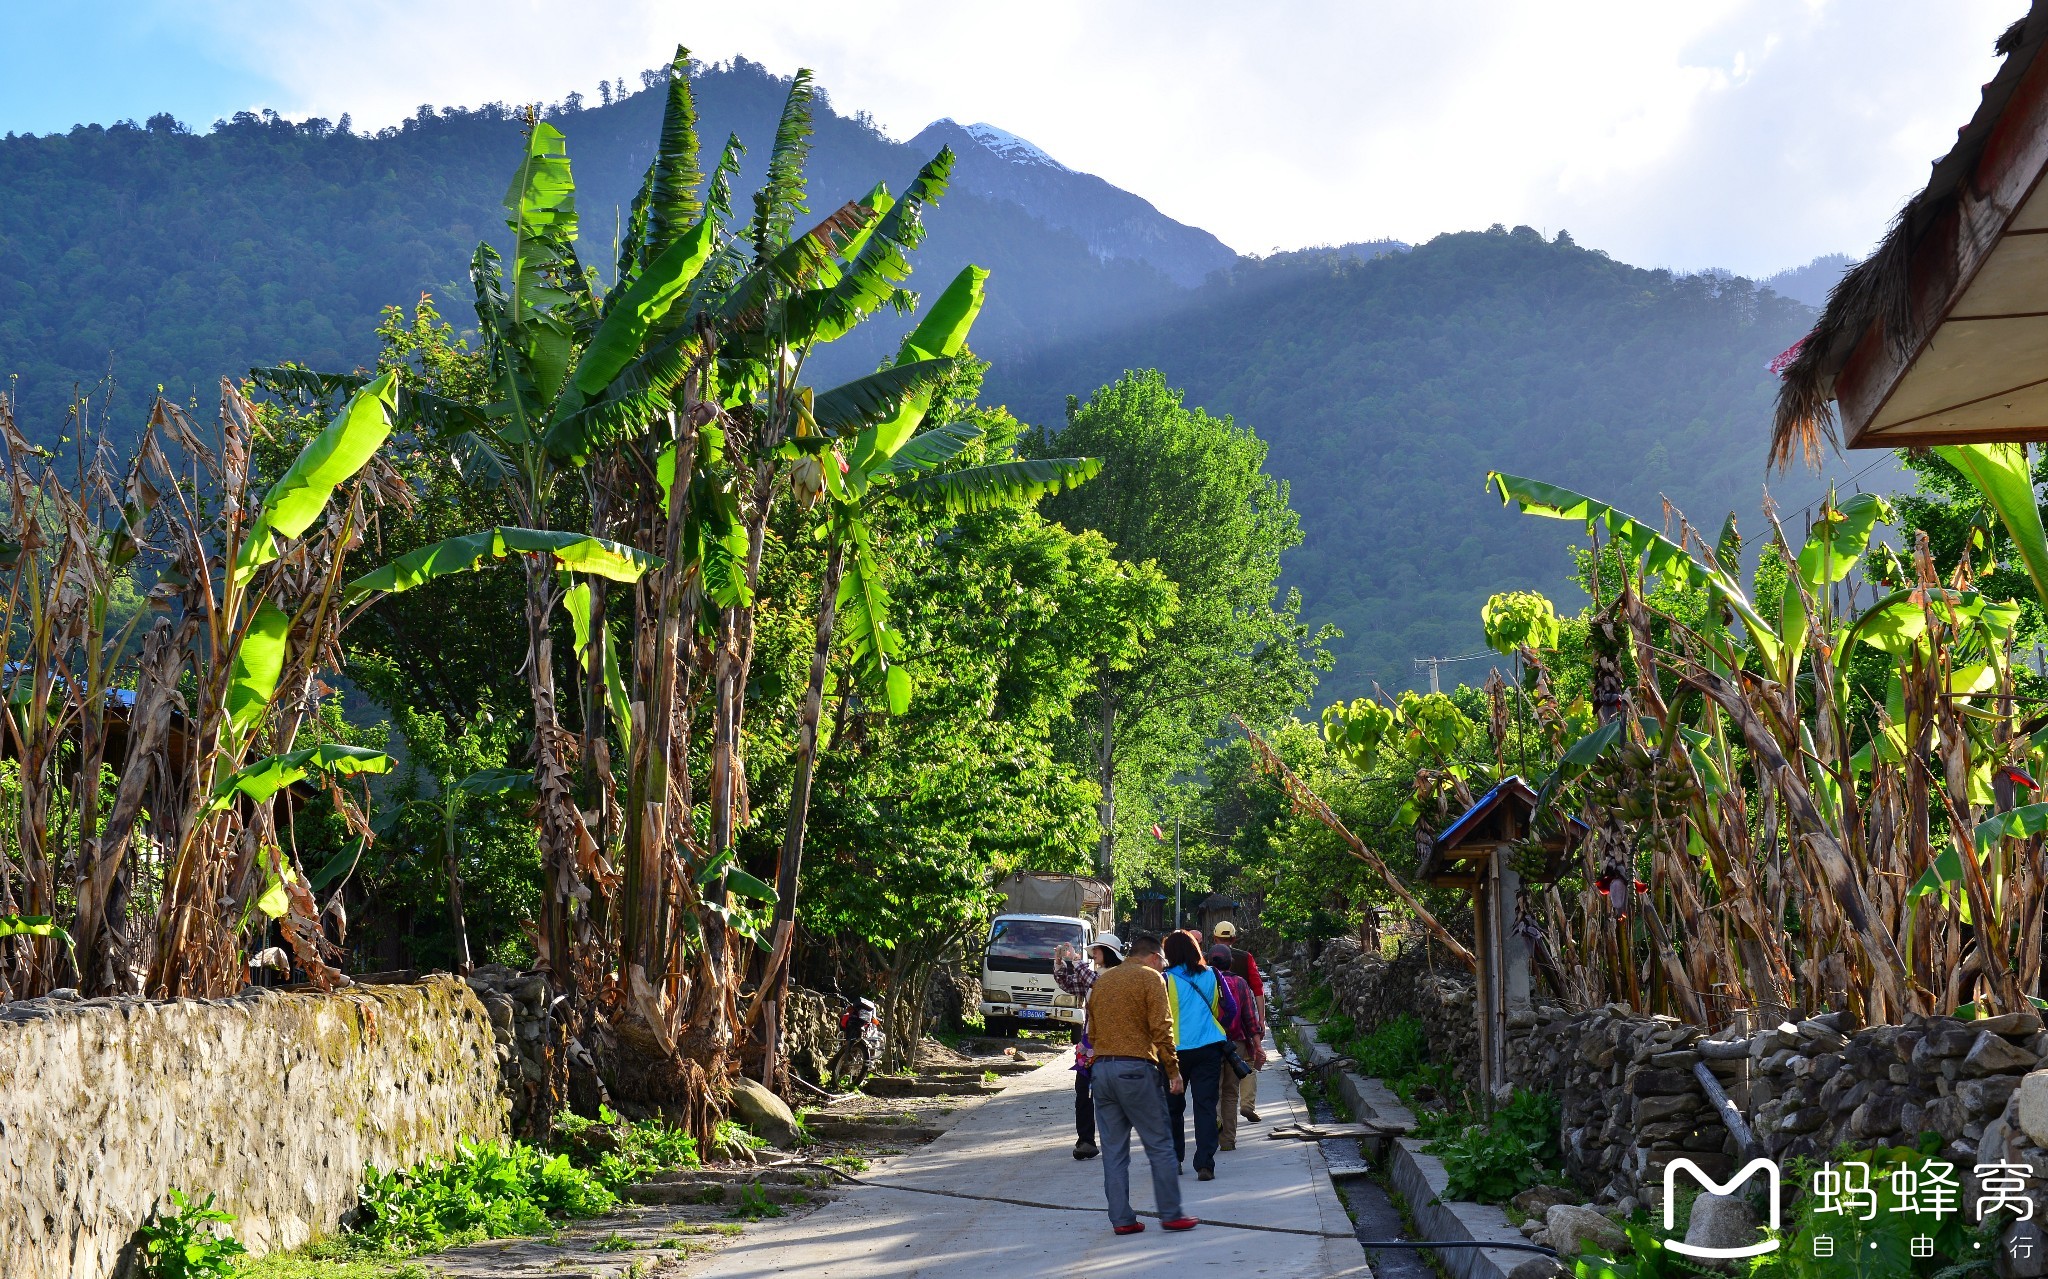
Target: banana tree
1755,751
885,464
675,401
446,810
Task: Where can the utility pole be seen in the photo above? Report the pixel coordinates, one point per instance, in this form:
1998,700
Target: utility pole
1178,921
1436,664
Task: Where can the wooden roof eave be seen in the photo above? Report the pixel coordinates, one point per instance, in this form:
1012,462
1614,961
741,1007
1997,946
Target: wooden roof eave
1998,213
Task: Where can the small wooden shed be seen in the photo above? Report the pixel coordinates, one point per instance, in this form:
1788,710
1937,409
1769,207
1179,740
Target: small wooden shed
1474,852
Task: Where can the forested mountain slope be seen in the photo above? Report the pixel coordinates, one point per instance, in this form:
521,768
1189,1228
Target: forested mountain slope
1387,388
181,256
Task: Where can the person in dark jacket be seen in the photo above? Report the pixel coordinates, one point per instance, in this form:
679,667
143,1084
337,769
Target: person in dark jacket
1247,1034
1076,976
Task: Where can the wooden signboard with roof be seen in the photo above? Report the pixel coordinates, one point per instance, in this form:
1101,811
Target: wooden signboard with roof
1477,852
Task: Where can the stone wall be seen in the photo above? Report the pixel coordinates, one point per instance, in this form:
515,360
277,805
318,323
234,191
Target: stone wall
1630,1102
272,1101
1371,989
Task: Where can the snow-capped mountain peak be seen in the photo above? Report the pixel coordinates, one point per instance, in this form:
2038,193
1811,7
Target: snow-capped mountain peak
1006,145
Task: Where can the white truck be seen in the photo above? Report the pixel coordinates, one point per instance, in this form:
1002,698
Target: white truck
1040,912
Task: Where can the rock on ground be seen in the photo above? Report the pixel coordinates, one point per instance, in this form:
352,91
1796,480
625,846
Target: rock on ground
1721,1221
1572,1227
767,1114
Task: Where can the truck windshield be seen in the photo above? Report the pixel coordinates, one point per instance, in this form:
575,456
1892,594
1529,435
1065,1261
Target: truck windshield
1026,945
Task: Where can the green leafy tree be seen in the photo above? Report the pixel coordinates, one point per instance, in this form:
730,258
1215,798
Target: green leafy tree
1188,493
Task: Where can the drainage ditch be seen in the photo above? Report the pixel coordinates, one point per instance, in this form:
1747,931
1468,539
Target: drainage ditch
1373,1212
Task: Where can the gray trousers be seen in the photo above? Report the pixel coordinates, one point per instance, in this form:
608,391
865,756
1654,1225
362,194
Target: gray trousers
1130,1094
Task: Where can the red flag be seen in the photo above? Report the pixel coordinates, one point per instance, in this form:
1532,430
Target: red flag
1157,833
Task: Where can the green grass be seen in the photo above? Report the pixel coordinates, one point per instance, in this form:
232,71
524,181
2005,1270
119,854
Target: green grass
342,1258
614,1242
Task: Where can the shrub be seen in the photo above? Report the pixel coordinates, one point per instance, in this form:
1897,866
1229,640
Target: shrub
1511,1150
1397,1048
755,1204
1487,1165
618,1154
188,1244
485,1192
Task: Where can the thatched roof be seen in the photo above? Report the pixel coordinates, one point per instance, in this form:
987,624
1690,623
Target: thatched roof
1883,300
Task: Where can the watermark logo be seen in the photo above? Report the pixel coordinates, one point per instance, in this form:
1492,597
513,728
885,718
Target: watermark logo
1712,1187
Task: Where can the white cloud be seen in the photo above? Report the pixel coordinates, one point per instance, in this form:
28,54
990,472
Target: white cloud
1745,133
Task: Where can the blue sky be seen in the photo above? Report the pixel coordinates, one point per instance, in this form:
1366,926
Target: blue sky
107,60
1749,134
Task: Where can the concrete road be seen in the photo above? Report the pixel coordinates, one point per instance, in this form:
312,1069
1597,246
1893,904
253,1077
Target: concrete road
1019,1145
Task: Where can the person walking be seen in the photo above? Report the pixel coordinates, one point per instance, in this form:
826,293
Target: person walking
1245,965
1134,1068
1076,976
1247,1034
1201,1007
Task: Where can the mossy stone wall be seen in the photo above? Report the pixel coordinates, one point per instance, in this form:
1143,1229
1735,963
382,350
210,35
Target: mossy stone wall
272,1101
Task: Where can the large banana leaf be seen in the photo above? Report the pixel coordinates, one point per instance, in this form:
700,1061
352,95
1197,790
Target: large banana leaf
941,333
999,484
878,397
673,177
1834,548
576,552
259,662
640,306
796,266
34,926
2002,474
1897,622
640,393
271,774
498,781
329,460
780,197
545,277
863,609
929,449
1651,549
877,260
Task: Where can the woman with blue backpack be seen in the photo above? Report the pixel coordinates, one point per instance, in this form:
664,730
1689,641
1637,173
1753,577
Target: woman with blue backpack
1200,1006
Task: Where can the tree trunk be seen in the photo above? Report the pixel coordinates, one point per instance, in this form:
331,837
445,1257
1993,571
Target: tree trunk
455,917
775,982
1105,772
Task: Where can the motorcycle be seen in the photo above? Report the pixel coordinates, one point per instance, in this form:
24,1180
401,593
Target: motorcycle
860,1042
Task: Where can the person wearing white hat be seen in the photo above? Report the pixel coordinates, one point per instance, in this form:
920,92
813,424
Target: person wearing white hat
1076,976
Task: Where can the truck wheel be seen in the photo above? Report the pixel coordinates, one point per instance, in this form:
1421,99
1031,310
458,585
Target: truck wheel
1002,1027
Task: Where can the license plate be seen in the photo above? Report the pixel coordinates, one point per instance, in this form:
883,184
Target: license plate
1033,1012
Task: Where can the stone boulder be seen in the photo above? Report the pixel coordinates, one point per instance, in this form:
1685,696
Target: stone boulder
1572,1227
1721,1221
767,1114
2031,1108
1536,1201
1539,1268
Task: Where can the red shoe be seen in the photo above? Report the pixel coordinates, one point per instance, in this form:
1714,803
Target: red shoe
1135,1228
1180,1223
